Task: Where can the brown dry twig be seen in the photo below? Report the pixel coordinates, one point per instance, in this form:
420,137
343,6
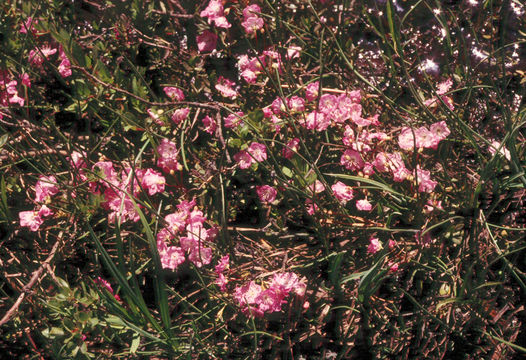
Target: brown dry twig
35,277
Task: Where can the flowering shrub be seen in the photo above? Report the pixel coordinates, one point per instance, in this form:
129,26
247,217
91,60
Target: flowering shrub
280,179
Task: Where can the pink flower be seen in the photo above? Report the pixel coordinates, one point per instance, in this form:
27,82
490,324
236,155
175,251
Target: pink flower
363,205
393,267
251,10
25,80
30,219
311,207
45,187
224,86
425,184
180,114
44,211
176,222
328,104
293,52
258,151
267,194
406,139
252,24
174,93
221,281
291,148
246,296
316,121
249,68
28,25
270,300
311,91
108,287
206,42
374,246
243,159
501,149
352,160
168,156
234,120
223,264
316,187
215,13
153,181
36,56
296,104
288,282
171,257
440,130
277,106
342,192
210,125
64,67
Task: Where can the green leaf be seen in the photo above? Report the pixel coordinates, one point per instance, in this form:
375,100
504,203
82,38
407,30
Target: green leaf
3,140
135,343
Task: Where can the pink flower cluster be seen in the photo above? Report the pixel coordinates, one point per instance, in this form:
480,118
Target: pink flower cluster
117,189
9,90
222,266
188,220
226,87
37,56
255,300
45,187
255,153
215,14
168,157
423,137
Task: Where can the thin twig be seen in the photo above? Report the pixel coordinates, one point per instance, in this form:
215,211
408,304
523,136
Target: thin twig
152,103
34,278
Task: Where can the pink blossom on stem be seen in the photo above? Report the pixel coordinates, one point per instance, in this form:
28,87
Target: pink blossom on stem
243,159
342,192
215,13
291,148
174,93
45,187
234,120
267,194
210,125
168,156
296,104
501,149
152,181
258,151
311,91
425,184
44,211
180,114
64,67
225,87
364,205
374,246
352,160
30,219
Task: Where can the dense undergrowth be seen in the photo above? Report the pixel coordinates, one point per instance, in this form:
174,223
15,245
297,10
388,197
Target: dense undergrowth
266,179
